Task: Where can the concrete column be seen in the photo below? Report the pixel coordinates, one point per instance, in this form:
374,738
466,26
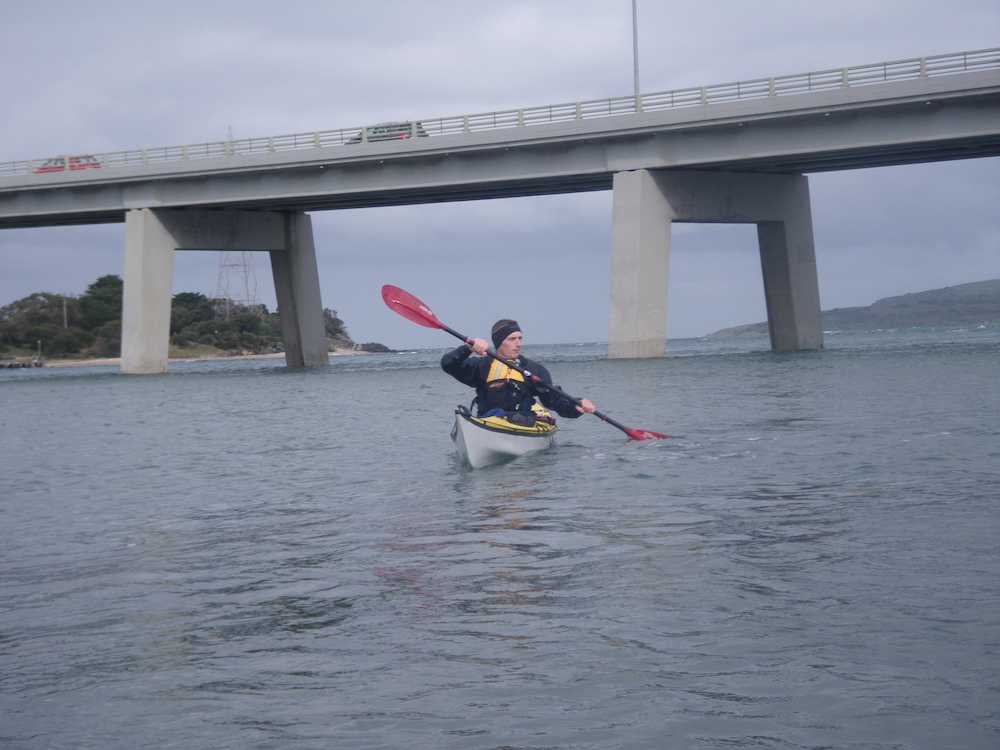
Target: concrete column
788,262
152,236
148,277
640,252
645,204
296,285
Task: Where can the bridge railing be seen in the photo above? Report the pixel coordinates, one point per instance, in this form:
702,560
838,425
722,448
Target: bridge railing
862,75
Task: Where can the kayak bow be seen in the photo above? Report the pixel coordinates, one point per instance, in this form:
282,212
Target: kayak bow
486,440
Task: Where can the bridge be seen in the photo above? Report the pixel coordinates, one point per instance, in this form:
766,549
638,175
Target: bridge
736,152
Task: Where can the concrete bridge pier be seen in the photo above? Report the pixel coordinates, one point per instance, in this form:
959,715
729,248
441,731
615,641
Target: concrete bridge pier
645,205
152,236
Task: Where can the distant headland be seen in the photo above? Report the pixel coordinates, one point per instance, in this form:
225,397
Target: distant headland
974,304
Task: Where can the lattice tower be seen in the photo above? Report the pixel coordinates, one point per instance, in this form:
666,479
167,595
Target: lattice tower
237,285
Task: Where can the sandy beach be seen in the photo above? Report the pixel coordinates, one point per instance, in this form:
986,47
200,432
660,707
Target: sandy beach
118,361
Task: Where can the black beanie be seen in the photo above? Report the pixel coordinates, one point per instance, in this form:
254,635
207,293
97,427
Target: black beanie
502,329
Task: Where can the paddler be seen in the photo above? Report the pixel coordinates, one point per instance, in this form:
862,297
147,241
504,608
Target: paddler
502,390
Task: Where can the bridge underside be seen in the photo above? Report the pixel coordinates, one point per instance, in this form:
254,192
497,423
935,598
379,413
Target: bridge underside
645,206
311,188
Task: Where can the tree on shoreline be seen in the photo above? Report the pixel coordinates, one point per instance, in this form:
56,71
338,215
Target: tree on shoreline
91,325
48,321
101,303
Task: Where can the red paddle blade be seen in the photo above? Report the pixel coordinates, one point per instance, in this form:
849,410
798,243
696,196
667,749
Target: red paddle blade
644,435
410,307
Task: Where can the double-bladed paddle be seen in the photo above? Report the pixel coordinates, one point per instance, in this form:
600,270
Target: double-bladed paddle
414,310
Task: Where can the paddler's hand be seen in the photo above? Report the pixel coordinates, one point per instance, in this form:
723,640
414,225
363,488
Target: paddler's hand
585,407
479,346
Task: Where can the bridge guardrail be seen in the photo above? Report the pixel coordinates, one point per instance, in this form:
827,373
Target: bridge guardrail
861,75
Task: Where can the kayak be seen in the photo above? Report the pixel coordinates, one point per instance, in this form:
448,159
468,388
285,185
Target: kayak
485,440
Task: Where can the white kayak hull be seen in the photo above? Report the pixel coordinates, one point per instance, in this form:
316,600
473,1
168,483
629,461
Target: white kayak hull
485,441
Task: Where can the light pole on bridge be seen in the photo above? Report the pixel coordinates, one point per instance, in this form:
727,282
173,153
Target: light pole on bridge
635,56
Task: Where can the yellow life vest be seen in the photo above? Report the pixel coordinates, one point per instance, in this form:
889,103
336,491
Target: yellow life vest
505,389
500,371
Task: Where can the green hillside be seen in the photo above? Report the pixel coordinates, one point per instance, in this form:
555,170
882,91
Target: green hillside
977,303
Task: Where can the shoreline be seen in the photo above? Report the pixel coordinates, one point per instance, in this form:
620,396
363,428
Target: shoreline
205,357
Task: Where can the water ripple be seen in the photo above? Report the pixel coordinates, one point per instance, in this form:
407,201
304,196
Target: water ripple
239,555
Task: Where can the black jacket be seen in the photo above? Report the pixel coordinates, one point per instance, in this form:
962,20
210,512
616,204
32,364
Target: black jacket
473,372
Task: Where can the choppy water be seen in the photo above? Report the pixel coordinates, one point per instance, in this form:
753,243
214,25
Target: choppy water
241,555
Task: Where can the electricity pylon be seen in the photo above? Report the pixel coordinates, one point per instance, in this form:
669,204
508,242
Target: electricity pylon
237,285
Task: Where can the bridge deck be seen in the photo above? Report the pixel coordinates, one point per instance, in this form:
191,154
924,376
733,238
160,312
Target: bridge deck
894,113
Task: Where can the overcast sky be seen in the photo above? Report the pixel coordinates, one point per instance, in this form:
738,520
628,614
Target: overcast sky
80,78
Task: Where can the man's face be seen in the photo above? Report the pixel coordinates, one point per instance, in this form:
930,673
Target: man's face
510,347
